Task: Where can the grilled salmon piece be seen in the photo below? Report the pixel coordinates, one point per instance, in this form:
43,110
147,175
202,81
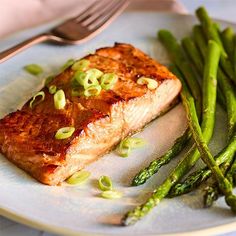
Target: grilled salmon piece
27,136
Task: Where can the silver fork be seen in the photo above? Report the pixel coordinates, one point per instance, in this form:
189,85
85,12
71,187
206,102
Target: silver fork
77,29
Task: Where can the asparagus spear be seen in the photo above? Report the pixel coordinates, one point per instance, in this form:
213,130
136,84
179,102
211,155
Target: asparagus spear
227,37
193,53
196,178
189,160
212,191
156,164
223,183
178,57
232,173
211,32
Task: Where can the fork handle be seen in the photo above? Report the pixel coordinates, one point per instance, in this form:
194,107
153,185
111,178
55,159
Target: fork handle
23,45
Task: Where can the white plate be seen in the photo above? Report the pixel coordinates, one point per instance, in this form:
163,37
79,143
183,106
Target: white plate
73,210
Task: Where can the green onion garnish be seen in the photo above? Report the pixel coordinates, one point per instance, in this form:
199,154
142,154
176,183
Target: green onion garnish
69,63
108,80
129,143
52,89
33,102
81,65
78,177
59,99
105,183
151,83
33,69
64,132
94,73
93,90
48,80
124,151
111,194
86,79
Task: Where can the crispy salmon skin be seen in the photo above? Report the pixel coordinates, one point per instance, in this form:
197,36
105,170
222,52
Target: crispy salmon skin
27,136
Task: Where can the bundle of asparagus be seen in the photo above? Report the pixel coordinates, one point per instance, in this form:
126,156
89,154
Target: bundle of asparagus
210,54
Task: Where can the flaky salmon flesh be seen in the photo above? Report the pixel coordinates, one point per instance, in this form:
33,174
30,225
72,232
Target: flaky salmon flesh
27,136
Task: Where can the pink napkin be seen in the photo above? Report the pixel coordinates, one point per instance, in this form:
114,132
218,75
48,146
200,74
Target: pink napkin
16,15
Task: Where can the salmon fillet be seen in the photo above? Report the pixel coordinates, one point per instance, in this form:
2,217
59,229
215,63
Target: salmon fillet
27,136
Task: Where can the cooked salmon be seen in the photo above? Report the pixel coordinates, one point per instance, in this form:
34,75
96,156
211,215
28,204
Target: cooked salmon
27,136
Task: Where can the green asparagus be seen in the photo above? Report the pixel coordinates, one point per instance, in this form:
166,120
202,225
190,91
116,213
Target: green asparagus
178,57
192,156
196,178
188,101
192,51
227,37
211,32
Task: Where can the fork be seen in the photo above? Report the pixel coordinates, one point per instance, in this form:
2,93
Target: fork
75,30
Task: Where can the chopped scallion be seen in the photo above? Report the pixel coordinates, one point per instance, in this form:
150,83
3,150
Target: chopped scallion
69,63
105,183
52,89
59,99
108,80
64,132
33,102
78,177
151,83
111,194
129,143
92,90
81,65
33,69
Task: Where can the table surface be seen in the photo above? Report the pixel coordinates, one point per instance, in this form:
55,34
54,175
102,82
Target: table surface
222,9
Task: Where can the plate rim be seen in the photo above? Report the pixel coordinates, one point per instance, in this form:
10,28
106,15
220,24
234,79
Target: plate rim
18,218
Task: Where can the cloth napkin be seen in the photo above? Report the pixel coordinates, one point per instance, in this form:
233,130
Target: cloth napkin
16,15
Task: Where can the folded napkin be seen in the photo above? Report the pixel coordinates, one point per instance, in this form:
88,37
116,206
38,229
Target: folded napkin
16,15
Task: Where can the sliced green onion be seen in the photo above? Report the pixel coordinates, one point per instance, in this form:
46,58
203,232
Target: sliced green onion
93,90
48,80
123,150
134,142
129,143
64,132
81,65
52,89
69,63
86,79
33,102
111,194
108,80
33,69
105,183
59,99
151,83
78,177
94,73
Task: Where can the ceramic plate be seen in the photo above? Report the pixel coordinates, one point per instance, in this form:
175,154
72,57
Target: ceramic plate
79,210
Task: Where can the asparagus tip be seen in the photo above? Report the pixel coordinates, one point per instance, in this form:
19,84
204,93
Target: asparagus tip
231,201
